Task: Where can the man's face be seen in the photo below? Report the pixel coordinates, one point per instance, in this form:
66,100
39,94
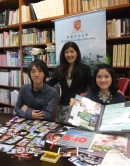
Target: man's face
37,75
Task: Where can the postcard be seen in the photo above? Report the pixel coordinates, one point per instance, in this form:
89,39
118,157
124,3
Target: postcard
104,143
68,151
5,148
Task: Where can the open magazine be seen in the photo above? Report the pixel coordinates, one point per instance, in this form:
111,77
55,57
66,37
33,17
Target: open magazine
85,113
96,117
116,118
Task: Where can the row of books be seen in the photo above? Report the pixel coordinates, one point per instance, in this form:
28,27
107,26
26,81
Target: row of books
37,36
10,38
11,58
123,84
10,78
121,55
75,6
48,56
31,53
9,17
8,96
7,110
42,9
118,27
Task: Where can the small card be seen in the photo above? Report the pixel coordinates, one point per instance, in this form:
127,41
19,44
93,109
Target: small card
4,138
22,156
13,139
3,130
20,120
5,148
35,142
23,142
85,159
68,151
31,135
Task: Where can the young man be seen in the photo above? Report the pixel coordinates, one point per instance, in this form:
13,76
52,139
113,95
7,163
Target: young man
36,100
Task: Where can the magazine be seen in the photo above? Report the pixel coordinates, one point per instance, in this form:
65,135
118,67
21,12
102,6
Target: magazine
85,113
94,116
116,118
104,143
76,138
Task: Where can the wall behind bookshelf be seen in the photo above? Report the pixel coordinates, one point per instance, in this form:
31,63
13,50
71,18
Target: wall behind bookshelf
70,7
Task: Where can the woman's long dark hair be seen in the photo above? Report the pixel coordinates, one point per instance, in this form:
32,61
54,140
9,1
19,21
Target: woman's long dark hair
64,65
113,87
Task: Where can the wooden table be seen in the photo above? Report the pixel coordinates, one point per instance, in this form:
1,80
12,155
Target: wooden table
5,159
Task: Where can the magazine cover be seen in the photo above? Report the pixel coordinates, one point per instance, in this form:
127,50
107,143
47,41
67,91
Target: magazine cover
104,143
76,138
85,113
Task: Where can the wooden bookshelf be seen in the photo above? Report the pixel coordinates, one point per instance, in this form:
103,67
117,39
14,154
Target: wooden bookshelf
112,12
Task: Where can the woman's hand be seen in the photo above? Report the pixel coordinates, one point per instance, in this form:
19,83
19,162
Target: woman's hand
72,101
121,92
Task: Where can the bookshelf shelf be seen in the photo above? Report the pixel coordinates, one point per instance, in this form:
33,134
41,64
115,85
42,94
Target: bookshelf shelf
118,7
121,67
10,47
10,67
10,87
49,67
7,105
7,4
42,21
119,38
43,44
13,27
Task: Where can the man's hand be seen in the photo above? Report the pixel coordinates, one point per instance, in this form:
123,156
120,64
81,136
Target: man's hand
24,108
36,114
72,101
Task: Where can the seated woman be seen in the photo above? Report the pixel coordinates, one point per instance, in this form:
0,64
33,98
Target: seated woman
104,90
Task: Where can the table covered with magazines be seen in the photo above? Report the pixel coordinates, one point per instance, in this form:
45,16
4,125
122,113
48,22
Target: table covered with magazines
35,142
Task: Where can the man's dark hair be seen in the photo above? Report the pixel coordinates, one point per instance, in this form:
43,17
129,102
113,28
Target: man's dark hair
40,65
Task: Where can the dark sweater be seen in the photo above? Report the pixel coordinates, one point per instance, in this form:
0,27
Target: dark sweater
78,85
43,100
117,98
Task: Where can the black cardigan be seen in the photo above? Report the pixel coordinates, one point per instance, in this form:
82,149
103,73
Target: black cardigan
78,85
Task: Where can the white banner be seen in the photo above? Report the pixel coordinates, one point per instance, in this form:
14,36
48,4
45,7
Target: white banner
88,30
